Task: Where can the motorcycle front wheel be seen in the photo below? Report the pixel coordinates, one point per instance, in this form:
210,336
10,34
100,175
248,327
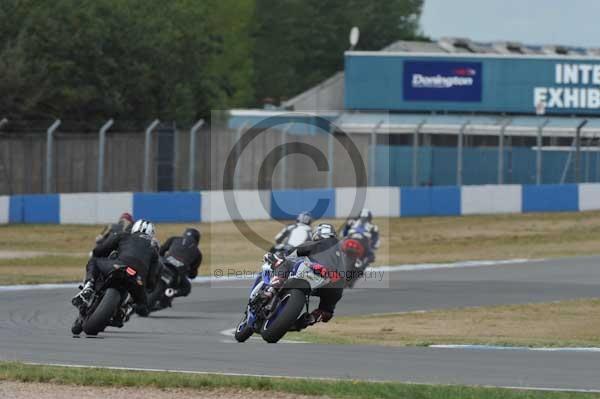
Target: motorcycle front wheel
289,309
243,330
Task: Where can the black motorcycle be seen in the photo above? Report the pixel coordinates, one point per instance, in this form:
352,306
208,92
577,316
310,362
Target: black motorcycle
112,303
170,277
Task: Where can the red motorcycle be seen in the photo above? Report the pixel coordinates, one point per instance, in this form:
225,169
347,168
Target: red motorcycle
354,247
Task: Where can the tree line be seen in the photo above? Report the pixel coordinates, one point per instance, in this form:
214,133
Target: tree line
90,60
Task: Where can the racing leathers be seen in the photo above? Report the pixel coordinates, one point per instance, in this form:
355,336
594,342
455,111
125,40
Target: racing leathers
368,230
187,252
114,228
134,250
327,259
291,236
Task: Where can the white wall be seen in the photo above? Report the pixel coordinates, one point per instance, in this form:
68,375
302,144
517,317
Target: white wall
94,208
491,199
589,196
250,206
4,209
112,205
382,201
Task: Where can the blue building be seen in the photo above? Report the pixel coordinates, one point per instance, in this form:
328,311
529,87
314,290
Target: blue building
457,112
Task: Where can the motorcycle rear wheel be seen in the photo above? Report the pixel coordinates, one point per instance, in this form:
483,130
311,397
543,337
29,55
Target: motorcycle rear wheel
106,309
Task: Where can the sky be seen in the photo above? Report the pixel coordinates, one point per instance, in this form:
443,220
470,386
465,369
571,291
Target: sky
567,22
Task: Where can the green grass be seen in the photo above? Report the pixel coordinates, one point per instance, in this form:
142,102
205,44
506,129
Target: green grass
569,323
351,389
404,240
42,269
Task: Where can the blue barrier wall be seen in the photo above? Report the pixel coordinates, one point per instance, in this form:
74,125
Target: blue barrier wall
323,203
550,198
167,207
287,204
434,201
471,83
34,209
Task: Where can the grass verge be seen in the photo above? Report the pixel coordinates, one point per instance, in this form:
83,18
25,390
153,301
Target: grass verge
336,389
42,269
404,240
555,324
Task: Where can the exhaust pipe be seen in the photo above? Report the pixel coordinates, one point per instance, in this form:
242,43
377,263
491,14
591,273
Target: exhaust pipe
170,292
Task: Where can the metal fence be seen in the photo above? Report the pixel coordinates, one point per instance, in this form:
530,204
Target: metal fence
163,157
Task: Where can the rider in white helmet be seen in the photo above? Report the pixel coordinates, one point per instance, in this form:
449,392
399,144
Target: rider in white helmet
136,249
295,234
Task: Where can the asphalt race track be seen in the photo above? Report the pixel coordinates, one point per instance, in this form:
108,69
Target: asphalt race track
35,327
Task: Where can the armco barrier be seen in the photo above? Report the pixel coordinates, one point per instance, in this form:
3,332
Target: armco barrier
194,207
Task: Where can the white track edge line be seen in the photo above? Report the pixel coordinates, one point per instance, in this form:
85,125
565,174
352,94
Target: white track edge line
231,374
393,268
517,348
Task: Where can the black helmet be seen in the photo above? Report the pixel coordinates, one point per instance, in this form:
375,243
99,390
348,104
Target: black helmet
304,217
192,234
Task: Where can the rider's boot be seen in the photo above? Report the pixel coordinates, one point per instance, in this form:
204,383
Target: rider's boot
77,326
84,297
307,319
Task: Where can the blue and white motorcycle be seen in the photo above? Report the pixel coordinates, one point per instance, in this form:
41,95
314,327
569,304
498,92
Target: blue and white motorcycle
272,312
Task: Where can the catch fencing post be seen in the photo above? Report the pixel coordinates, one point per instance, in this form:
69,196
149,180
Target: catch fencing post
101,151
49,154
459,154
330,156
192,161
284,134
538,158
501,151
578,150
372,153
415,165
147,144
238,137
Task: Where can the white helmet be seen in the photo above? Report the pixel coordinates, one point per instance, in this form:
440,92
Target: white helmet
324,230
143,227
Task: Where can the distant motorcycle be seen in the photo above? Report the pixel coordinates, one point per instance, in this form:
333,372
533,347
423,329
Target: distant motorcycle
171,273
354,247
112,303
273,312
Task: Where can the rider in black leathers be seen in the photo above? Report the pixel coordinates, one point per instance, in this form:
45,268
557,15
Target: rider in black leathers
136,250
124,224
184,249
